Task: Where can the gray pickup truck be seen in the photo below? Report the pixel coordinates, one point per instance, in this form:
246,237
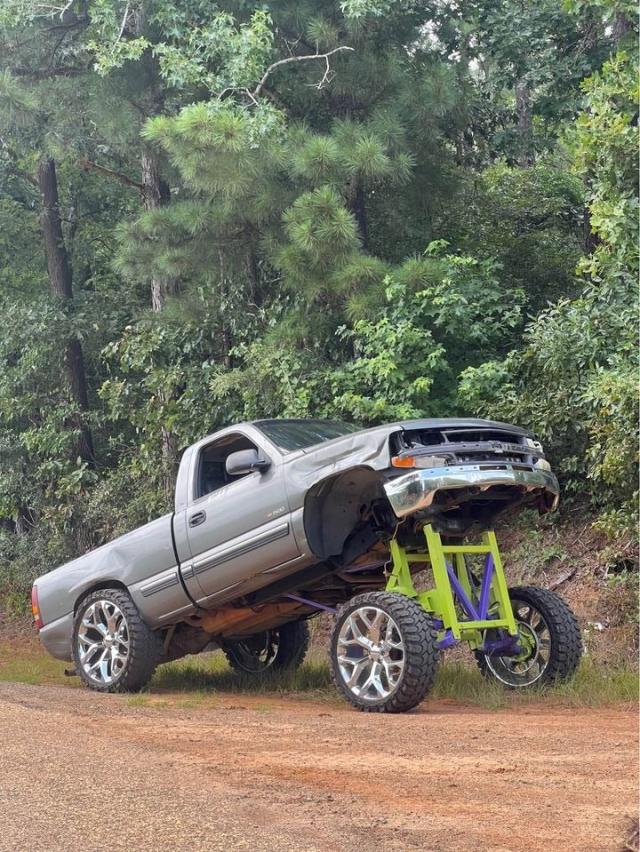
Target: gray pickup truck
275,521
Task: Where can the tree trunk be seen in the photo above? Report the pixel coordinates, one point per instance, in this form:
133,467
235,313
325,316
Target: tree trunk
155,194
590,240
361,217
253,275
356,204
227,339
61,285
622,25
22,521
525,124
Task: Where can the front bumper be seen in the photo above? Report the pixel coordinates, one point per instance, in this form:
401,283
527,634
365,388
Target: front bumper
417,490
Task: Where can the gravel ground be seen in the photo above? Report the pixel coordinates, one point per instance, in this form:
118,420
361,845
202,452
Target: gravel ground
88,772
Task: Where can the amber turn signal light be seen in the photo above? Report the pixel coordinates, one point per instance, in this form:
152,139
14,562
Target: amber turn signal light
419,461
403,461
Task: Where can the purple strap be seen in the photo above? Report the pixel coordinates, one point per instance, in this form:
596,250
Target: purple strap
468,607
487,577
311,603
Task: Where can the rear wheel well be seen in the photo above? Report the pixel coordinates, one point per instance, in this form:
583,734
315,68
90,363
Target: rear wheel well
336,506
103,584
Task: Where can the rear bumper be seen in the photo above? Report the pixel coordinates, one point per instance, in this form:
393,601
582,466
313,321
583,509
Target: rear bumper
416,490
56,637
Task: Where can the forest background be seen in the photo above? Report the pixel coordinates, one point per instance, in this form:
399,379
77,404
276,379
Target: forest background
366,210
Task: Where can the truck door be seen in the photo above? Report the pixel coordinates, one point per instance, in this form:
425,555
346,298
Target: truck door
237,526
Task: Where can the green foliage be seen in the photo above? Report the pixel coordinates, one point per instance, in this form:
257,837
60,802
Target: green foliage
580,356
160,373
290,229
34,412
400,361
215,51
605,143
529,60
322,235
512,214
437,312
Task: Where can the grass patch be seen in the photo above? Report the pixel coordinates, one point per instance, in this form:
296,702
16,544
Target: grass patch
594,685
34,668
591,686
464,683
139,700
211,673
198,679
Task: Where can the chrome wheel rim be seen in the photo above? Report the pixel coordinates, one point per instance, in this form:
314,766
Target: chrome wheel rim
103,642
370,654
258,652
526,668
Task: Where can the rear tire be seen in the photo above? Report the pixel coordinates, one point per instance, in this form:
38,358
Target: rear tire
552,631
113,649
384,653
273,650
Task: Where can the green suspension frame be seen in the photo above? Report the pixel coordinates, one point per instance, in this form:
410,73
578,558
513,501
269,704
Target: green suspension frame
462,608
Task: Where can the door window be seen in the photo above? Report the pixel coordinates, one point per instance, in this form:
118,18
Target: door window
212,473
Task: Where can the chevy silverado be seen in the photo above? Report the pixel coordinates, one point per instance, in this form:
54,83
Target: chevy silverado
277,520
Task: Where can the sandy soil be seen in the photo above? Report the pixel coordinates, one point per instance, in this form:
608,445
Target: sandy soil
80,771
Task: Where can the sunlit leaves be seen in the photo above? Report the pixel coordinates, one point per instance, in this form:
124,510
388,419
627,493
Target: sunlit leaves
218,53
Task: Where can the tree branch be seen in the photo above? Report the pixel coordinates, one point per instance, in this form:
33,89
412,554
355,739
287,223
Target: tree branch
258,89
87,165
68,6
122,26
231,89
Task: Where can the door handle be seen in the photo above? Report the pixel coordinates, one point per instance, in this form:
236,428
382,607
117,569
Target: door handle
197,519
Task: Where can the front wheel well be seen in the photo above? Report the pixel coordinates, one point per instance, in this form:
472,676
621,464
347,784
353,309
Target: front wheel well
337,505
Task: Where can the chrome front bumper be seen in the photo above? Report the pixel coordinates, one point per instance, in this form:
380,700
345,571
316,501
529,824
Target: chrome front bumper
416,490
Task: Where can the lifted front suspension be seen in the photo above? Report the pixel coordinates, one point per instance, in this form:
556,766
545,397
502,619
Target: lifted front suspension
463,606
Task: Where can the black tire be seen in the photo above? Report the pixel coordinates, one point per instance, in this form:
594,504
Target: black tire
420,649
273,650
144,646
564,642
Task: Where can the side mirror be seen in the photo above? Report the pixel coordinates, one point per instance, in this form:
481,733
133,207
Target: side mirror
245,461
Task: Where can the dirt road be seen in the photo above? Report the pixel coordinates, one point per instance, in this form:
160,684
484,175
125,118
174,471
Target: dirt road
87,772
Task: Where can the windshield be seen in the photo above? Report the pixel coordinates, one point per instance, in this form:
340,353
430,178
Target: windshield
297,434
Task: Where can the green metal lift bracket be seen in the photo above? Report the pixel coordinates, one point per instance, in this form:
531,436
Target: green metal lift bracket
465,606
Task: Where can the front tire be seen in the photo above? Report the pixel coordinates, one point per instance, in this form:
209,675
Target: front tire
549,637
384,653
113,649
281,648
